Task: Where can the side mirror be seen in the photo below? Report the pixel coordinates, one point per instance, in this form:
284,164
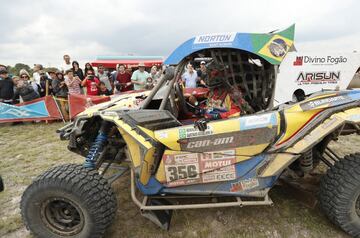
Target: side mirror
201,124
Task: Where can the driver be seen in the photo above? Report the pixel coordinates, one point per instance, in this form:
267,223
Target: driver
223,100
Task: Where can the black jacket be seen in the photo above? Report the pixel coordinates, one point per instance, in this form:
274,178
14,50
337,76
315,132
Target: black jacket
6,89
79,73
26,92
57,90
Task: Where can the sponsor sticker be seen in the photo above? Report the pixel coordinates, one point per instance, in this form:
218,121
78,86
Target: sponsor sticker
191,132
315,60
332,101
163,135
194,168
259,121
244,185
323,77
215,38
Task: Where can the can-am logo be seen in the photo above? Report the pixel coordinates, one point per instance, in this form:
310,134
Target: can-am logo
215,38
318,77
329,60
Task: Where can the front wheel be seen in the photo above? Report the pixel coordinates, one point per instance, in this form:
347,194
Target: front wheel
340,194
68,201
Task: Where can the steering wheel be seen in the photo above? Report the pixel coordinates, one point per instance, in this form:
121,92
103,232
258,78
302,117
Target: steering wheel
197,109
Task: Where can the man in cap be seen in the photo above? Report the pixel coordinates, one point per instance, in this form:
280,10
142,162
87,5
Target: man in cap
202,73
139,77
6,87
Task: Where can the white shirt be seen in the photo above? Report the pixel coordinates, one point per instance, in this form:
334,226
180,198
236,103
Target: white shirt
36,77
105,79
65,67
190,79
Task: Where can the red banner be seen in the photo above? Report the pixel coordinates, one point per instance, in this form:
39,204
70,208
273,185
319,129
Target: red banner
78,102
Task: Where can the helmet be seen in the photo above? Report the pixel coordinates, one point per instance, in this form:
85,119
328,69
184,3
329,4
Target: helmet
216,77
215,82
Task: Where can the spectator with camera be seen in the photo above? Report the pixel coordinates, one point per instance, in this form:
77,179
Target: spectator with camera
45,84
24,90
77,70
91,83
72,82
24,75
58,85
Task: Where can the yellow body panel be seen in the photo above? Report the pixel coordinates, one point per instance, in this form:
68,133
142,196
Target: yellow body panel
133,148
124,101
281,161
137,142
295,120
147,166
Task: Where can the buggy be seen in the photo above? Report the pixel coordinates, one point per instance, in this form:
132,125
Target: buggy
234,161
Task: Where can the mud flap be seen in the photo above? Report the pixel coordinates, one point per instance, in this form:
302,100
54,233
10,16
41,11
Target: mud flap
162,218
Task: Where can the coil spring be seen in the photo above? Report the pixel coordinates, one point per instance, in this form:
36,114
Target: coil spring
95,150
306,162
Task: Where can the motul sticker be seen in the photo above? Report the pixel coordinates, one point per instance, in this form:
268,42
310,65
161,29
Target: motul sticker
194,168
244,185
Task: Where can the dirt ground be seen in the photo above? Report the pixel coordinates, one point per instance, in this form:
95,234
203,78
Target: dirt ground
29,149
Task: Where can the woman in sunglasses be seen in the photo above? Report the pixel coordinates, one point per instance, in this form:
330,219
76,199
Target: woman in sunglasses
24,89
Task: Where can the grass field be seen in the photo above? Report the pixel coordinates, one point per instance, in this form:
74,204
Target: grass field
28,150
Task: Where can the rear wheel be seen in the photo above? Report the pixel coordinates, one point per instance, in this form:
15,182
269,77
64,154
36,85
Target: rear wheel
340,194
68,201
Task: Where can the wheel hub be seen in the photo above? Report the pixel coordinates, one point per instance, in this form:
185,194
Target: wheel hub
62,216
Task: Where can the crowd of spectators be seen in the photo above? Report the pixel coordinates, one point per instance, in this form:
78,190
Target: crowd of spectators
70,78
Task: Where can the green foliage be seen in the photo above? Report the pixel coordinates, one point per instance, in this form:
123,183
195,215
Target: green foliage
50,69
16,69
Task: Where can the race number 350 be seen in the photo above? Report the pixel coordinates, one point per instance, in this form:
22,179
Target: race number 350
188,171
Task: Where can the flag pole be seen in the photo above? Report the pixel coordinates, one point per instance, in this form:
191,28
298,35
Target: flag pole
56,103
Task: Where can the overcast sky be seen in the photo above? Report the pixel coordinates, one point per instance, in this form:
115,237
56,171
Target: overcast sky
42,31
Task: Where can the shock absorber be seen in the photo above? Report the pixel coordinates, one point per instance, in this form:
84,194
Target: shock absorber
98,145
306,162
